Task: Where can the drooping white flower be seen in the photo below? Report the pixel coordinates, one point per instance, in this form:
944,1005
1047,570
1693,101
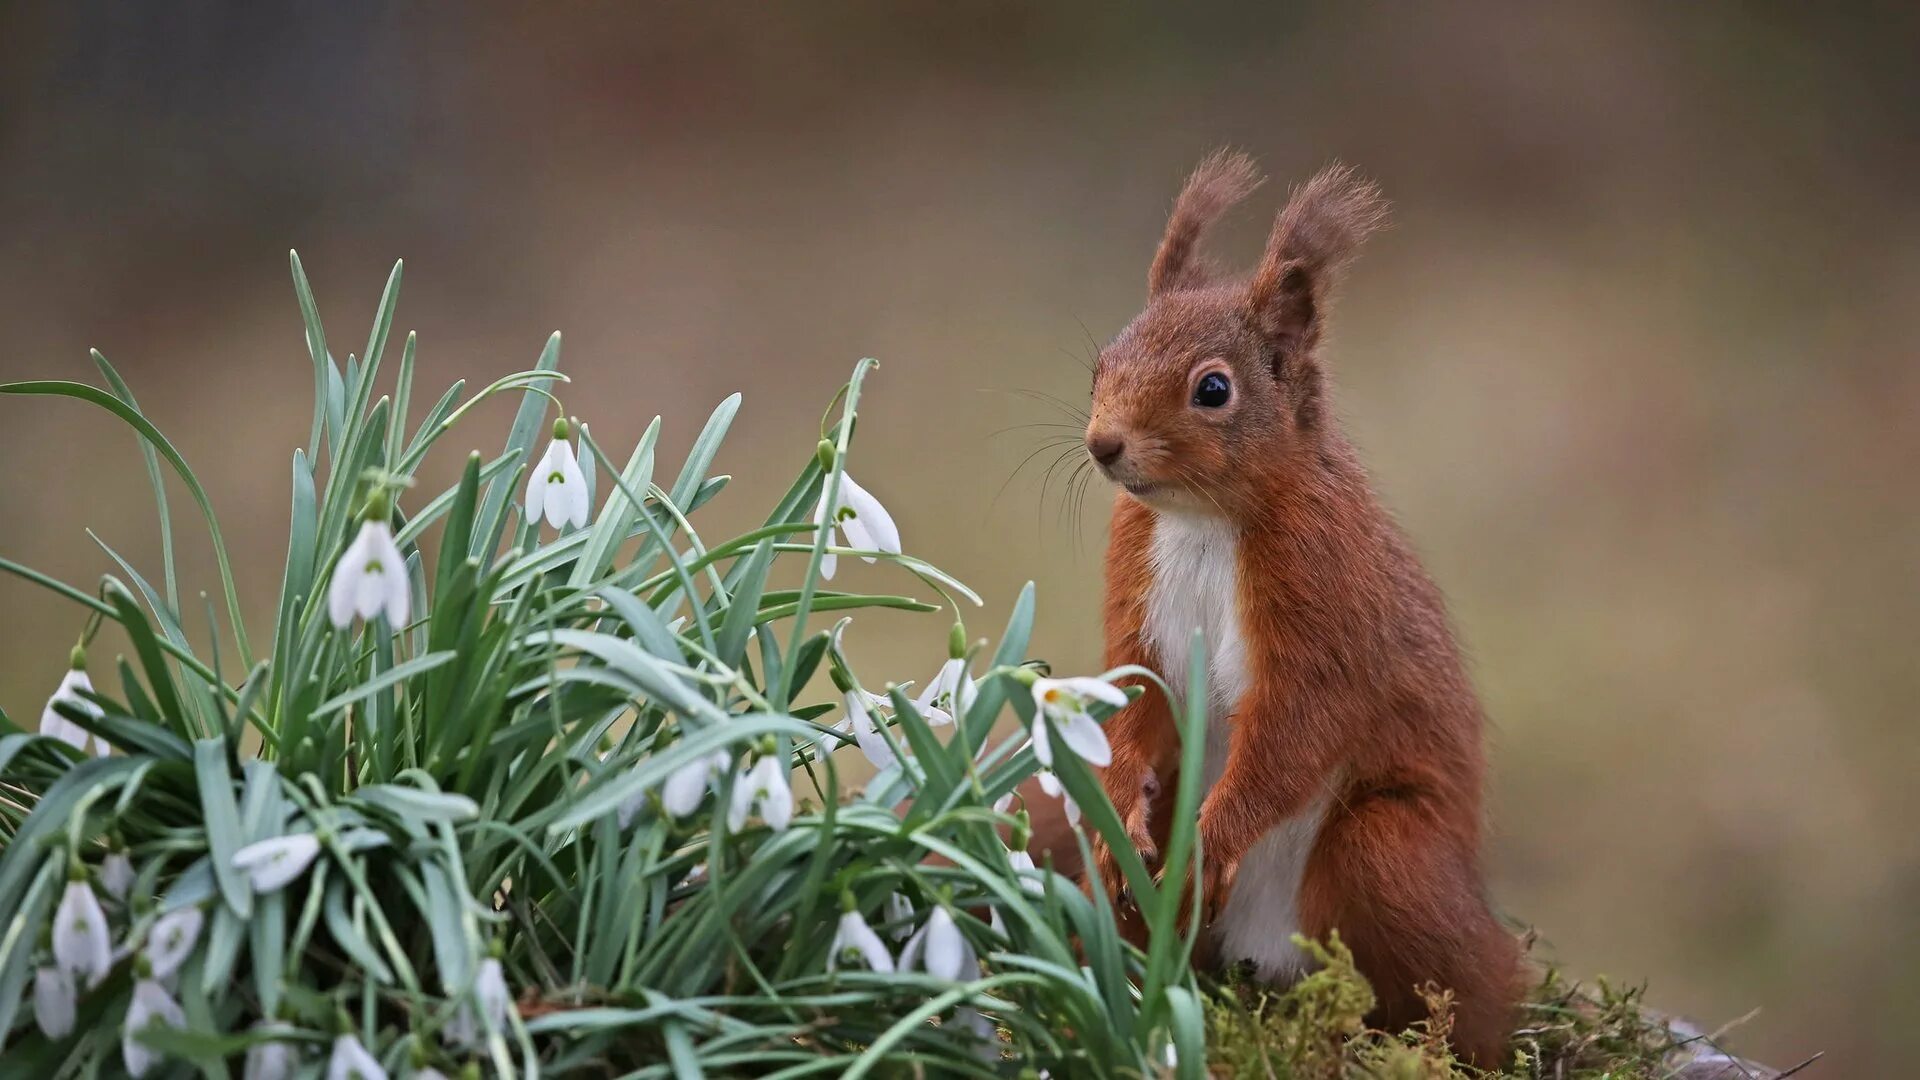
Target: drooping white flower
948,694
984,1030
1064,702
370,578
899,916
557,489
54,1001
868,525
939,948
271,864
351,1061
151,1005
428,1073
116,874
80,943
687,786
55,726
1023,865
865,729
172,939
763,787
271,1059
855,938
1051,784
488,1009
1003,804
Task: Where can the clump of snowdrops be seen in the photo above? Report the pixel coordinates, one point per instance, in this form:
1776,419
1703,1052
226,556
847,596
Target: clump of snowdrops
531,776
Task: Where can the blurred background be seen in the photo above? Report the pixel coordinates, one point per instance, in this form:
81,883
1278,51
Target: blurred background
1636,366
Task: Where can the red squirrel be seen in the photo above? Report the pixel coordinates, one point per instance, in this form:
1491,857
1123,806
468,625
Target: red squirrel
1343,753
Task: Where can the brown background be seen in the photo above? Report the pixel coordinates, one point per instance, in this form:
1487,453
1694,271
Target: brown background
1636,366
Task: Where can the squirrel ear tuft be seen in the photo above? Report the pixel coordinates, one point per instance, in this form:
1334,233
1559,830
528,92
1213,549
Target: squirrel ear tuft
1223,178
1314,238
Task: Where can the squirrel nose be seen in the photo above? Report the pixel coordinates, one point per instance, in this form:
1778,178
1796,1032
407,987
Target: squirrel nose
1105,448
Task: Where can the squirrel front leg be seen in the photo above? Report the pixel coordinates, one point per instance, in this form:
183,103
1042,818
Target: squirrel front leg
1284,750
1144,750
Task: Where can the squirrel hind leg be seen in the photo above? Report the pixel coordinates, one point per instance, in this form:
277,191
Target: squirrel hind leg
1409,905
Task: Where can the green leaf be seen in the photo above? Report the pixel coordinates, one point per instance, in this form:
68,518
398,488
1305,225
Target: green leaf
743,609
222,818
394,675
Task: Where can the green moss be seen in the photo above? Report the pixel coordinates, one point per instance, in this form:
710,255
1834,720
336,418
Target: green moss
1316,1030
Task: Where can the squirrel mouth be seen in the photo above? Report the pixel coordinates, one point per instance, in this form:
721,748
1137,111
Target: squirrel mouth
1140,487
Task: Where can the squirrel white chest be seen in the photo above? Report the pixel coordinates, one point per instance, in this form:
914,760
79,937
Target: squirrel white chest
1196,585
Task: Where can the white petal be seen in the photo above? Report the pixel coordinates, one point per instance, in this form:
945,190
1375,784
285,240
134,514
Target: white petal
490,994
537,486
151,1005
271,864
775,796
55,726
1083,736
866,733
1097,689
350,1061
80,943
872,516
686,787
171,940
946,947
828,560
1049,782
858,536
1003,804
116,874
272,1059
740,805
343,591
854,935
397,594
899,917
1042,742
53,1001
576,510
911,952
1072,808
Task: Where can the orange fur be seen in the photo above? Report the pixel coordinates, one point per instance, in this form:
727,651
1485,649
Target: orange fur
1356,684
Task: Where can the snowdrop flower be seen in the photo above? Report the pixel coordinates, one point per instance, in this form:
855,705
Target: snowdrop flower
151,1005
899,916
939,949
271,864
1003,804
1064,702
80,944
764,786
854,939
371,577
428,1073
867,523
172,939
1050,784
54,999
684,789
488,1009
1023,866
270,1059
116,874
975,1022
865,729
557,489
351,1061
55,726
950,692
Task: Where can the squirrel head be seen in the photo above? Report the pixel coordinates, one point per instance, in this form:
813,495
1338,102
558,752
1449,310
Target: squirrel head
1217,383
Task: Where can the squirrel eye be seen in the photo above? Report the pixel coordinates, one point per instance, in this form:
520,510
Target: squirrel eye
1214,390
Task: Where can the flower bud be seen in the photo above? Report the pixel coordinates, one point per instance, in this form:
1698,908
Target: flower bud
561,429
957,641
825,453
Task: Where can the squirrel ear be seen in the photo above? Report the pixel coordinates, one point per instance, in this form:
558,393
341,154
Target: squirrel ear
1314,239
1223,178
